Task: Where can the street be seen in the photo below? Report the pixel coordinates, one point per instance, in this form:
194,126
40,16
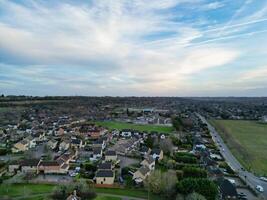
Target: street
248,177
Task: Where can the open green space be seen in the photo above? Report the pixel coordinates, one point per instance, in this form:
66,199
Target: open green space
39,191
21,190
123,192
139,127
247,140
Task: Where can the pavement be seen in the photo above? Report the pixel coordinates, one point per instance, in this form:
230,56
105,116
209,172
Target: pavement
248,177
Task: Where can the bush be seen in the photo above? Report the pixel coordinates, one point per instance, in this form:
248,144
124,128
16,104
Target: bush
185,158
202,186
194,172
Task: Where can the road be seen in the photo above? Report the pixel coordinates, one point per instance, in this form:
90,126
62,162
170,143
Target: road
250,178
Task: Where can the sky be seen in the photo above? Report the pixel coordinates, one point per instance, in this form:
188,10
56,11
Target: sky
133,48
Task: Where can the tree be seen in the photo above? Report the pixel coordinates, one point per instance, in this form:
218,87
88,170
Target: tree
154,182
168,183
82,188
166,146
60,192
162,182
202,186
194,172
149,142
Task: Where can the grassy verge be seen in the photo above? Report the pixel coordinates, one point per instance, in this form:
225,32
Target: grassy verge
247,140
107,198
139,127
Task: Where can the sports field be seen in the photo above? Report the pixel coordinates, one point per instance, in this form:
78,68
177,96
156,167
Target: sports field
139,127
248,142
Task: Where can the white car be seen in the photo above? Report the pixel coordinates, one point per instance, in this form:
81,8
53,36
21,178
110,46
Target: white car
259,188
263,179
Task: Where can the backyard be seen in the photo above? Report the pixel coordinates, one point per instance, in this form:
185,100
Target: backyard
247,140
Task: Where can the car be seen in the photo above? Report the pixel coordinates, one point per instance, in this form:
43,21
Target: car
259,188
241,194
263,179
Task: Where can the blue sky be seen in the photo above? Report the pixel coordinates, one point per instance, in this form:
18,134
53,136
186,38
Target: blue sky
139,47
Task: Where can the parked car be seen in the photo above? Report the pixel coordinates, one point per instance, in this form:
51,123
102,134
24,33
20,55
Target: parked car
259,188
263,179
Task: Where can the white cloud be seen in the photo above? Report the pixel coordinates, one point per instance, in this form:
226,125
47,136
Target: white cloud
110,43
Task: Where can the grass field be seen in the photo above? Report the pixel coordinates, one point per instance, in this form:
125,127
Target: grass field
248,142
22,190
146,127
40,191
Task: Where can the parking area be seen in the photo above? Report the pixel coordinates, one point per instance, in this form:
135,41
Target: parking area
248,193
122,146
41,178
126,161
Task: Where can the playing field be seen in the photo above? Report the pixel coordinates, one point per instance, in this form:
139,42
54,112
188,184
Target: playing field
146,127
248,142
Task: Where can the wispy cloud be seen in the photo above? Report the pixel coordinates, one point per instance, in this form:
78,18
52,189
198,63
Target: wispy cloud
127,47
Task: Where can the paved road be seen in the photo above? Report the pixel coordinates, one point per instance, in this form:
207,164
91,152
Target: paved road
250,178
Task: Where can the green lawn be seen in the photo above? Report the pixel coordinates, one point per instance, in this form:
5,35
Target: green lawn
99,197
140,127
21,190
247,141
123,192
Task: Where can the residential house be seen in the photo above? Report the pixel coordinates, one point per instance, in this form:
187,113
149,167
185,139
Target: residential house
100,143
111,155
76,143
52,167
97,153
141,174
149,162
29,165
105,166
105,177
20,146
157,154
126,133
144,151
14,166
52,144
31,141
64,145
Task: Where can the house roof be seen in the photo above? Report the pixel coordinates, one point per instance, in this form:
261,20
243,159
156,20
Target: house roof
104,173
49,163
110,153
97,150
144,149
24,142
76,141
30,162
155,151
105,166
143,170
150,160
